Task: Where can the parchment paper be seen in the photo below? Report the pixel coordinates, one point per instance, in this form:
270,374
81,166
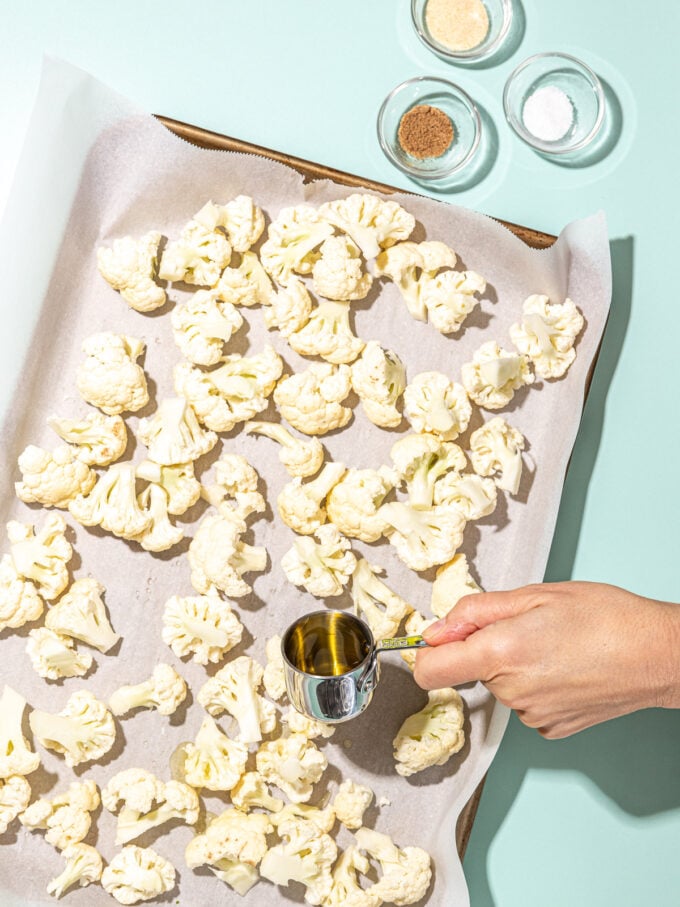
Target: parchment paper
136,176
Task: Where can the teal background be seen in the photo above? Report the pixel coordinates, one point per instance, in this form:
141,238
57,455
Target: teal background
593,820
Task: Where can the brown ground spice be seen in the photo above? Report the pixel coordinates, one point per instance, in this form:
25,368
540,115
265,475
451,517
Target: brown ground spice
425,131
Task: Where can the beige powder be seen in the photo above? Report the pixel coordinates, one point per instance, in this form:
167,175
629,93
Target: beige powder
457,24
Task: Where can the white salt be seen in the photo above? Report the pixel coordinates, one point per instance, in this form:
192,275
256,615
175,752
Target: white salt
548,114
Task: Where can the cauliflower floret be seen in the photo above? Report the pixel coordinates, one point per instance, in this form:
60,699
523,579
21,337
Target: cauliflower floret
198,257
83,866
83,731
424,538
414,625
312,400
203,626
379,379
15,792
494,375
164,691
411,266
297,723
99,439
218,556
300,457
432,735
112,504
235,479
420,461
302,813
473,496
52,477
304,856
451,583
496,450
252,790
160,534
173,435
450,297
128,266
547,333
147,803
231,846
322,567
109,377
203,325
274,678
353,503
53,656
214,761
293,764
179,483
406,871
346,890
41,556
328,334
372,223
289,309
242,220
66,817
434,404
81,614
291,242
351,802
232,393
381,608
19,600
338,274
16,757
247,285
302,506
233,689
138,874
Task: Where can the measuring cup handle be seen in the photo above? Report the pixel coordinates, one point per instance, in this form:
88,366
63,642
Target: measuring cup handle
400,642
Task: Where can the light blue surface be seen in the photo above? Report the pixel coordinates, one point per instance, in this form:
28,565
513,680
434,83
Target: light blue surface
594,820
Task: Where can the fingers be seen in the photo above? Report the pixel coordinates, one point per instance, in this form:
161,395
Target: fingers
452,664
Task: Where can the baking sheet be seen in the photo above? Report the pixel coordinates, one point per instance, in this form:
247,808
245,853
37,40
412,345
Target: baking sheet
135,177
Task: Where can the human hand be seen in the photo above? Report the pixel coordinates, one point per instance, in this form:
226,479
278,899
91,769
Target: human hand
564,656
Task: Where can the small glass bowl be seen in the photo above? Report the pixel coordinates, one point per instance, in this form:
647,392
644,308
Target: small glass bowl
576,80
500,19
455,103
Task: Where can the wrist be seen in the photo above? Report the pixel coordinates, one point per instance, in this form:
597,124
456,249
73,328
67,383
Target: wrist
668,689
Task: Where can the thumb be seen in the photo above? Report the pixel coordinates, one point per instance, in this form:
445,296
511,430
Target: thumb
473,612
452,664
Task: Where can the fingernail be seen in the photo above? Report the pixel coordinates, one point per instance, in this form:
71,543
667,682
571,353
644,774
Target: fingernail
434,630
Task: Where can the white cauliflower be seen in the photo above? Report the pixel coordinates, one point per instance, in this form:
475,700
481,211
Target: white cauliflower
231,393
241,218
198,257
424,538
351,802
234,689
301,457
160,534
81,614
297,723
432,735
472,495
203,325
274,678
450,297
164,691
405,871
16,756
52,477
218,556
328,334
289,309
434,404
411,266
214,761
302,813
41,557
372,223
128,266
547,334
293,764
302,506
203,626
338,274
66,817
451,583
496,450
109,377
292,242
83,731
112,503
173,435
494,375
414,625
345,889
83,866
323,567
381,608
420,462
379,379
138,874
352,504
179,483
235,486
246,285
15,792
311,400
147,803
98,439
19,600
303,856
251,791
53,656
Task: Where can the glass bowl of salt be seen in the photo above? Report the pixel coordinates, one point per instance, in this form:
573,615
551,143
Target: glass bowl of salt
554,103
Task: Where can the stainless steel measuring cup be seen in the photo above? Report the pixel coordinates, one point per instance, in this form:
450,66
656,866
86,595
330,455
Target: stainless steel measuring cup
330,663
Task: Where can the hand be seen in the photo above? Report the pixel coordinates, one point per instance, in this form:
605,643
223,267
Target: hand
564,656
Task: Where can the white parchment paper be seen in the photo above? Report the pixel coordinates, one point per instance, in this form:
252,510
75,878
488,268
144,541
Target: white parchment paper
129,175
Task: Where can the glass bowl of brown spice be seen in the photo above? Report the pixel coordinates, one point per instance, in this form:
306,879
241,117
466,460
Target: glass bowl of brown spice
429,128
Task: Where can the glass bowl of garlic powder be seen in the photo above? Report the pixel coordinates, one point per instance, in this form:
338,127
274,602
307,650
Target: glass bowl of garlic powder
462,31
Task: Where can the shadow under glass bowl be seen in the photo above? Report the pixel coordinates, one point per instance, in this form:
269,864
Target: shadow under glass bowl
499,13
578,82
449,98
